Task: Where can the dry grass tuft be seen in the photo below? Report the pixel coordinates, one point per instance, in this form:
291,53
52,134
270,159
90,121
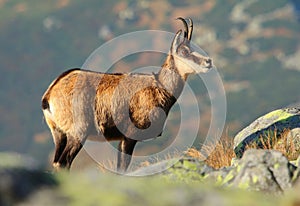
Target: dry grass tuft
220,153
193,152
216,154
282,143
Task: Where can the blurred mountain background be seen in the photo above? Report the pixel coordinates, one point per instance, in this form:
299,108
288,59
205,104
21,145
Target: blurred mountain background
255,46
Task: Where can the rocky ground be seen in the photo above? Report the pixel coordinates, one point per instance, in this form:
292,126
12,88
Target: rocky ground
260,176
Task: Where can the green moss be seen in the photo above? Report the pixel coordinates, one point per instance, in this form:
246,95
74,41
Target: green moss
219,180
189,165
238,168
228,177
276,166
255,179
278,115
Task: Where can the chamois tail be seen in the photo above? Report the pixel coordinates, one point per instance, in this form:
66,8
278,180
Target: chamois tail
46,96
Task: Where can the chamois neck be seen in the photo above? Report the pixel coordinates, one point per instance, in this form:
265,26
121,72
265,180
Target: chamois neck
170,78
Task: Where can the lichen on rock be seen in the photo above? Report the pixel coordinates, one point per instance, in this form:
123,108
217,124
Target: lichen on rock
262,170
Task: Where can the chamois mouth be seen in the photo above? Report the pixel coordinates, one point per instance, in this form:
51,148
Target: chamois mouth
209,63
205,67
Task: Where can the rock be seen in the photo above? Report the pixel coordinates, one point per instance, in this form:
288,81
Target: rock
21,180
16,184
262,170
296,184
296,162
188,170
185,169
296,177
220,176
153,168
275,122
258,170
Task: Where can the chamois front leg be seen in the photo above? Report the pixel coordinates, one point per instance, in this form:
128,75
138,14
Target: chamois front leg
126,147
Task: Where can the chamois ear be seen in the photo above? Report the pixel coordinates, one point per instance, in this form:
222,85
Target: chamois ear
176,41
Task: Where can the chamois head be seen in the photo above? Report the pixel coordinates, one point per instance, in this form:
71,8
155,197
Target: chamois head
185,57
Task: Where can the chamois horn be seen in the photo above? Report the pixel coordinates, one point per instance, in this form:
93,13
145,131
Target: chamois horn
185,26
190,29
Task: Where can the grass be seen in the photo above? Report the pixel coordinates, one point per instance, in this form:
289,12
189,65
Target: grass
216,154
282,143
99,189
220,153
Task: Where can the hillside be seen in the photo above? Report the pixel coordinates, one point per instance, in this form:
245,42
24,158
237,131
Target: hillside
255,46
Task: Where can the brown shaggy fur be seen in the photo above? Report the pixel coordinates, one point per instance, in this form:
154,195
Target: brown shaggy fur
125,107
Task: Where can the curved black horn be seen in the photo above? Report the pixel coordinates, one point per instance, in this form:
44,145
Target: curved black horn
185,26
190,29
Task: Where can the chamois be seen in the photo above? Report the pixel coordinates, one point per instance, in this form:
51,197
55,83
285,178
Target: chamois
80,104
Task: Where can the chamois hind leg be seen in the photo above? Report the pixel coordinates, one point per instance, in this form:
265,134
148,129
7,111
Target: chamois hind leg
60,141
70,151
125,148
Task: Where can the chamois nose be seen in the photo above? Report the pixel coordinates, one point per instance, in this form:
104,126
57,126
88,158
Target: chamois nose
208,62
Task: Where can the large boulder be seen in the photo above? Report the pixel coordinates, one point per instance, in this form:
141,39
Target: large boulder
270,125
262,170
258,170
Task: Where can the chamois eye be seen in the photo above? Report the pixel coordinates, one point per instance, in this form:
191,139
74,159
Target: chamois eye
184,52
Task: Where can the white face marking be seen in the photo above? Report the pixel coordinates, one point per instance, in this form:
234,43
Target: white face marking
192,63
183,65
204,63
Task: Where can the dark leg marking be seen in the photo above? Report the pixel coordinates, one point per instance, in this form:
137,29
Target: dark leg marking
71,150
126,147
60,141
